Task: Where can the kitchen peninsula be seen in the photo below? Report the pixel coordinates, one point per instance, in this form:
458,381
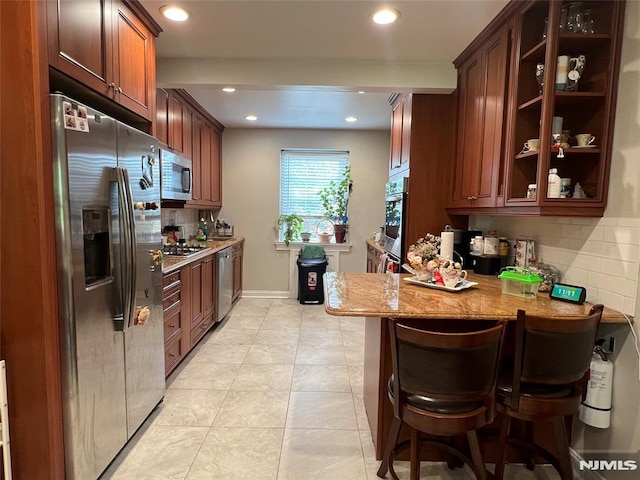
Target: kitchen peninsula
381,296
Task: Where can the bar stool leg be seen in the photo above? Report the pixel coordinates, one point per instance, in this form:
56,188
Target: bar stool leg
415,455
478,464
392,441
502,457
564,457
528,436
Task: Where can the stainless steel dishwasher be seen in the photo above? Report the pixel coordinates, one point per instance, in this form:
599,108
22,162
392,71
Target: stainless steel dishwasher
225,282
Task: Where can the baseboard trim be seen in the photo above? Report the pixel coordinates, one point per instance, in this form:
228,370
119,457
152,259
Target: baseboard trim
265,293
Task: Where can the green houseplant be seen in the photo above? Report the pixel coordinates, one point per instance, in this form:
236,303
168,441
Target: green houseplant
291,226
335,201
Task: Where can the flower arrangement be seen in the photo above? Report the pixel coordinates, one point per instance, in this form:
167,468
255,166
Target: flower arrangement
423,255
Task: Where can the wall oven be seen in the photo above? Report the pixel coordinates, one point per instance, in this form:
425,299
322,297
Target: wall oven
395,220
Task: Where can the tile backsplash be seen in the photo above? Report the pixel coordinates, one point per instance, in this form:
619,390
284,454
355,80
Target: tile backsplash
186,217
601,254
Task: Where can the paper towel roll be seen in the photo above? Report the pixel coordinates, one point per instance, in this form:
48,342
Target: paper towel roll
446,245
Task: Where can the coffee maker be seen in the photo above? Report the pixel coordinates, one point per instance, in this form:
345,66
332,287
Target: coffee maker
461,244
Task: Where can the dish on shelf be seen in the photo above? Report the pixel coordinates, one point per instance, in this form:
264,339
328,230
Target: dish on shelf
462,285
585,146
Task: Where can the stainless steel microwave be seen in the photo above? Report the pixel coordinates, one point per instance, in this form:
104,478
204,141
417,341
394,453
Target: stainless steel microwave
176,176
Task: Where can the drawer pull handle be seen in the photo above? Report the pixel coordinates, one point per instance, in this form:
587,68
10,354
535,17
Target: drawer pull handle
173,325
172,354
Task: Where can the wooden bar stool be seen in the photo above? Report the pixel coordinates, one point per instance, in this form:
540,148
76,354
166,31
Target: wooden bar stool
552,355
443,384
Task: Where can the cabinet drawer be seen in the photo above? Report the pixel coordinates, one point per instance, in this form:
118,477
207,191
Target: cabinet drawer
172,354
171,299
172,324
170,281
198,331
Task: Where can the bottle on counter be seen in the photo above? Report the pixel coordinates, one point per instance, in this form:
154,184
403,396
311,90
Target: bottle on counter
553,184
503,247
203,231
491,242
478,245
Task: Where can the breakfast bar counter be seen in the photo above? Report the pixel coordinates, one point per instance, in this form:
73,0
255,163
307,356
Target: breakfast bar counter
389,295
386,295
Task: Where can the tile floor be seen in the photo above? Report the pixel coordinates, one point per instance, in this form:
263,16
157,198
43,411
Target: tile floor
273,392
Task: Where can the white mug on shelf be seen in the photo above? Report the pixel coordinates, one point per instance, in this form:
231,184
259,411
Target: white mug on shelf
585,139
531,145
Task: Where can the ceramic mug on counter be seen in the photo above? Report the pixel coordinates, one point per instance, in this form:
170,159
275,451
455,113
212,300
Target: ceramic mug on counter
452,276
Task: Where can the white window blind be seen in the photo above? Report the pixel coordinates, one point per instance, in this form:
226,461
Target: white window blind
303,174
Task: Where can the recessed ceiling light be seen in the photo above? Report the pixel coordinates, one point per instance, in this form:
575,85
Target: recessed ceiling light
351,119
229,89
361,92
177,14
251,118
385,16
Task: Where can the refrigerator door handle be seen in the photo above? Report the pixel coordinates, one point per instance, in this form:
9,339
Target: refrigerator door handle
128,251
133,269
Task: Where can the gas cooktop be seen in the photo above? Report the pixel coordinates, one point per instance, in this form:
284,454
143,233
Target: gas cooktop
178,250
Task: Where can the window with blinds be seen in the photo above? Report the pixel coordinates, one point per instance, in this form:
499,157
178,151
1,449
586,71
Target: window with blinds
303,174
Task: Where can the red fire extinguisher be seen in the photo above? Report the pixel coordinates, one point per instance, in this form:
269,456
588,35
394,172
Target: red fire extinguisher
596,407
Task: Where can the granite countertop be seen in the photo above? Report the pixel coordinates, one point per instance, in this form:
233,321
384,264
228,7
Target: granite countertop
170,264
388,295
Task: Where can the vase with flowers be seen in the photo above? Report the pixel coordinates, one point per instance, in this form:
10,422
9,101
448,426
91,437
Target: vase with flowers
423,257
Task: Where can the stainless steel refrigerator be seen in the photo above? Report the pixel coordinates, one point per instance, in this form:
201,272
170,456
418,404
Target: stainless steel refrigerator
107,208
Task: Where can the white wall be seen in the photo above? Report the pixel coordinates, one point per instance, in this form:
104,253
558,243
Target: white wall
251,186
603,253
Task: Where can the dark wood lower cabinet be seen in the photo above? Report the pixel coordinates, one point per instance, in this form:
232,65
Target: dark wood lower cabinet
189,297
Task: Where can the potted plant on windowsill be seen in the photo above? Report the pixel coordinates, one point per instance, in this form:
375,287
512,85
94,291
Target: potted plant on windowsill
291,226
335,201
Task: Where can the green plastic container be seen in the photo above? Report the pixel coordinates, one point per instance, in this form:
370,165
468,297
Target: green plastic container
520,282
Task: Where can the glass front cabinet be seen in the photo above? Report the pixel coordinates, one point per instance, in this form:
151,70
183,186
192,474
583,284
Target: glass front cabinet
565,76
559,107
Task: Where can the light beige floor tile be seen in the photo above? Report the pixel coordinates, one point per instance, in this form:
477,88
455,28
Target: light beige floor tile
271,354
361,412
286,302
322,324
354,355
233,336
321,455
164,453
190,408
317,337
316,311
326,410
276,337
320,355
353,338
356,376
352,323
240,320
206,376
219,353
266,409
321,378
282,321
238,454
289,309
263,377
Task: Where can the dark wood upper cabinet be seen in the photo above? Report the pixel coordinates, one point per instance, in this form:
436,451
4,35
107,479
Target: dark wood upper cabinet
482,87
108,46
502,106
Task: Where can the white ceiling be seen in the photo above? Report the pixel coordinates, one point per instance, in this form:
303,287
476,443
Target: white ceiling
300,63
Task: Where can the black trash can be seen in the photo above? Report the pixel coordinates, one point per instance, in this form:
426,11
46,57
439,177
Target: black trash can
310,271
